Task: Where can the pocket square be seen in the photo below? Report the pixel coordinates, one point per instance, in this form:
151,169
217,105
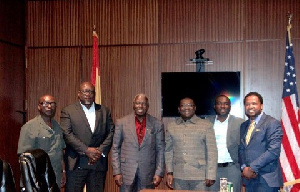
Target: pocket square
256,130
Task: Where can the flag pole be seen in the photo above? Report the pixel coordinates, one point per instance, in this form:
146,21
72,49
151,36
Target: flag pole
289,26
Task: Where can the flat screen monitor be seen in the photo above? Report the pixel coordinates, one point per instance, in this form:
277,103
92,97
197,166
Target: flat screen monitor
202,87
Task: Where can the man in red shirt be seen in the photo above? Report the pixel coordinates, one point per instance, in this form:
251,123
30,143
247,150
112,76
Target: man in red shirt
138,149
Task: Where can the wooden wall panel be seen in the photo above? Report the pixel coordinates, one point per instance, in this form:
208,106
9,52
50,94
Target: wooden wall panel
268,19
12,21
52,71
12,94
201,20
53,23
12,79
121,21
264,73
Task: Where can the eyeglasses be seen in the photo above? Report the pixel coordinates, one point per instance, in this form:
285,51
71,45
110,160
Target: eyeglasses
85,92
46,104
187,105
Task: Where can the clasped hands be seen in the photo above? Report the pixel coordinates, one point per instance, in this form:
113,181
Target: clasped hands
93,154
248,173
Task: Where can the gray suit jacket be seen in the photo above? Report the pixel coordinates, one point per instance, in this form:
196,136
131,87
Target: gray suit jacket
127,155
263,150
78,136
233,136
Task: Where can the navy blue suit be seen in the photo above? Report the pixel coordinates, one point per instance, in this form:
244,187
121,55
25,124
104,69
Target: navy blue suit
262,152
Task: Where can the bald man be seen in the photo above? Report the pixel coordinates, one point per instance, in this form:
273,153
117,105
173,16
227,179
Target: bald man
138,149
43,132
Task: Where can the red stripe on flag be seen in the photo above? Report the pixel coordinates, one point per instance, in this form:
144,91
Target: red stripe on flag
296,188
292,117
95,59
289,153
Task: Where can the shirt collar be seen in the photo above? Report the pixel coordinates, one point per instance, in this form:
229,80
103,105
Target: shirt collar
258,118
84,107
193,120
226,120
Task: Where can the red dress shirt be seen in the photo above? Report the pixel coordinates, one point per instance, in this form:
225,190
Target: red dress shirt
140,129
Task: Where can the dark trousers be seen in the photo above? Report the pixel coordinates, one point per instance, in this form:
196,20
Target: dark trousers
94,180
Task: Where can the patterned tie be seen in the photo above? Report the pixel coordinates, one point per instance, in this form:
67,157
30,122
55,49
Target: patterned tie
250,130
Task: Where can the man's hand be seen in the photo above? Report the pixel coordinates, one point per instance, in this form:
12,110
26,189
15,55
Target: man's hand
93,154
118,179
170,181
209,182
248,173
156,180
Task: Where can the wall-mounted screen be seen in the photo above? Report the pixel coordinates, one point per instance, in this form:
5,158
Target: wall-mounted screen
202,87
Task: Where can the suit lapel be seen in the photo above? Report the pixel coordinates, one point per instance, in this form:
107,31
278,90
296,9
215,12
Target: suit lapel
82,116
245,130
99,117
255,128
149,127
229,131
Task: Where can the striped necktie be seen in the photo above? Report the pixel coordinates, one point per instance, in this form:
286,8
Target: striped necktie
250,130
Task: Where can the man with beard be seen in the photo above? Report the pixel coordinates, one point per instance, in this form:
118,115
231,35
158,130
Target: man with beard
43,132
138,149
260,148
191,152
88,132
227,131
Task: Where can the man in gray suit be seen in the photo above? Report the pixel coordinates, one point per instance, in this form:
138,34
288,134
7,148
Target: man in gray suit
191,152
227,131
138,149
88,132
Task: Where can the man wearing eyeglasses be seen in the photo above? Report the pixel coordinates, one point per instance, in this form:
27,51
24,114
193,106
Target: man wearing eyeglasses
88,132
191,151
43,132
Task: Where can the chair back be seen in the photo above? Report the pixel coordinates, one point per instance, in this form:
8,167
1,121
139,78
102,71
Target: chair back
6,178
37,174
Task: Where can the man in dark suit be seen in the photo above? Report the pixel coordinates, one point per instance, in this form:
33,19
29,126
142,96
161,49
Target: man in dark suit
138,149
260,148
227,131
88,132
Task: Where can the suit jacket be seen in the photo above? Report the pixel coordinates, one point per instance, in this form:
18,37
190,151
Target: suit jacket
233,136
191,151
128,155
78,136
263,150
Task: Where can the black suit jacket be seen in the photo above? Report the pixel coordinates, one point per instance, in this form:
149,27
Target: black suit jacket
78,136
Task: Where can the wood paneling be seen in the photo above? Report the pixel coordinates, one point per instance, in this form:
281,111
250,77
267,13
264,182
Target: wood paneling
201,21
268,19
12,79
12,22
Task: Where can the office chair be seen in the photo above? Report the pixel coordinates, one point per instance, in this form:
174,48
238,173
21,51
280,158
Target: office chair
37,174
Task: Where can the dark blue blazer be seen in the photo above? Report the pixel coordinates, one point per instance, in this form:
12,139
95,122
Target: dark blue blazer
263,150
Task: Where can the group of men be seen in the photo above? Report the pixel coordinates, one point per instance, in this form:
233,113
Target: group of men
193,152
